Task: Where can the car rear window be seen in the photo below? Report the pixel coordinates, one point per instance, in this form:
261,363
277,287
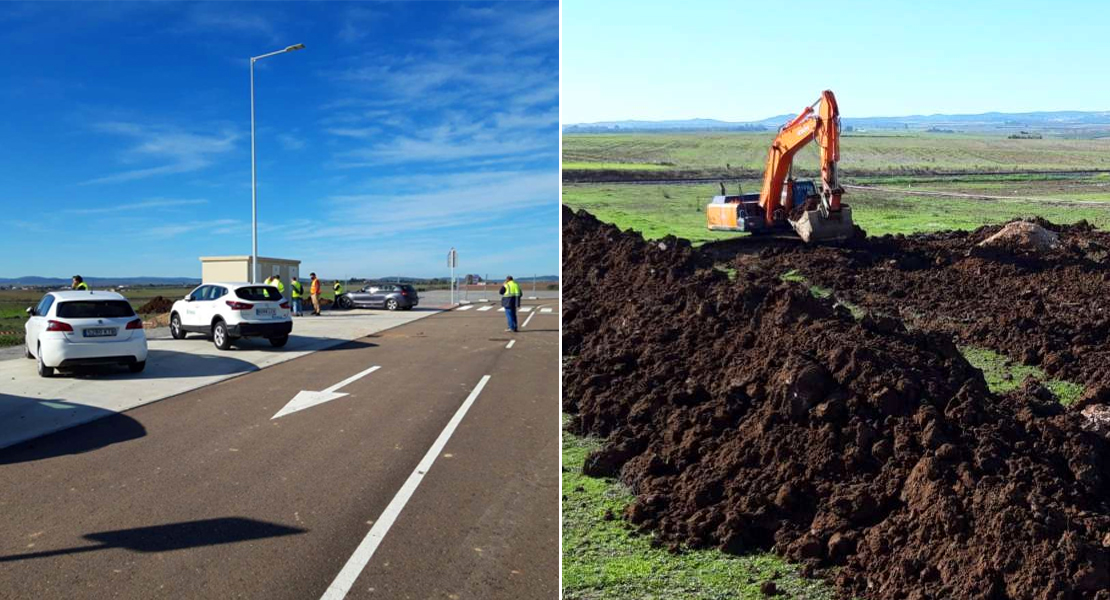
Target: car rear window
259,293
95,309
409,289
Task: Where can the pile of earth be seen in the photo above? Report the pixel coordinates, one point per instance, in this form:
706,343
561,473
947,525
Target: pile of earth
156,305
1040,298
751,415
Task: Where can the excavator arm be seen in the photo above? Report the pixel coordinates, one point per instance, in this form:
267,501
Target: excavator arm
823,125
774,208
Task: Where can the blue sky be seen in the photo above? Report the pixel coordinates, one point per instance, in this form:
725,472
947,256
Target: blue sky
744,60
401,130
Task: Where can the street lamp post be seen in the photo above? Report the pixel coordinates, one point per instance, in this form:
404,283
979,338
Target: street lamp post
254,178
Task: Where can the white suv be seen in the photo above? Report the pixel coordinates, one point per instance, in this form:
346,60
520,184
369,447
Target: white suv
228,311
81,328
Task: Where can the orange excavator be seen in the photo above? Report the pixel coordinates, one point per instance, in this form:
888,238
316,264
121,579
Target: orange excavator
785,203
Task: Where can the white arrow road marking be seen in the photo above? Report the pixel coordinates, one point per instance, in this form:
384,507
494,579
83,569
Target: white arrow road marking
365,551
546,310
510,344
484,308
306,399
466,307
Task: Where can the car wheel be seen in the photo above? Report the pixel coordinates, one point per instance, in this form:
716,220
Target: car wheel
175,327
391,304
345,303
44,371
220,336
278,342
137,367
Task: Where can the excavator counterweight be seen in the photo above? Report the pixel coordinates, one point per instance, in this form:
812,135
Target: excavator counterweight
783,203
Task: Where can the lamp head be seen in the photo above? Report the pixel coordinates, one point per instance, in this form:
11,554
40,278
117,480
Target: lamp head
295,47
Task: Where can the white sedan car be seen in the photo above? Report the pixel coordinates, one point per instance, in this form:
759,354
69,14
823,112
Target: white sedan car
81,328
228,311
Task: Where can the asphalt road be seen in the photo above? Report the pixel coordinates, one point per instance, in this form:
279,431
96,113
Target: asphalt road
207,495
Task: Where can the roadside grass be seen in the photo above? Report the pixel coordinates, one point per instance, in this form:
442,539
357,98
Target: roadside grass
1004,375
604,559
14,303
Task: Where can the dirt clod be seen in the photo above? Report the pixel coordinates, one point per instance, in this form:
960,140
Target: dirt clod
156,305
748,414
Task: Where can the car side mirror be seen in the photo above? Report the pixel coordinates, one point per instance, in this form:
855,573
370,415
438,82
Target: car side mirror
188,298
30,311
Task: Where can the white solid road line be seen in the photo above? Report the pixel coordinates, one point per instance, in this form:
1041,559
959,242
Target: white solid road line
525,309
365,551
546,310
527,320
306,399
466,307
510,344
502,309
484,308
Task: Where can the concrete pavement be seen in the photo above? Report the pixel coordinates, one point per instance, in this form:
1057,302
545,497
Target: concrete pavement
210,496
32,406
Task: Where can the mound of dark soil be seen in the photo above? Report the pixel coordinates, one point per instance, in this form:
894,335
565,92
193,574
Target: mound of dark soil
748,414
157,305
1045,307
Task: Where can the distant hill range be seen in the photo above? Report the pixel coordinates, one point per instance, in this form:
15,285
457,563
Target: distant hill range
1063,121
101,281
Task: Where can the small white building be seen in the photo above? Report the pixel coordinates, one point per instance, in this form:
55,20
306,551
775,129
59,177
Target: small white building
238,268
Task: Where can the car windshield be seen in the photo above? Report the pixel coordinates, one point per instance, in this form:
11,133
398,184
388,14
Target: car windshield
95,309
259,293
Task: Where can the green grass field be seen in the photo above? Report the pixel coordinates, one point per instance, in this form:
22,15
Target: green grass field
657,210
886,153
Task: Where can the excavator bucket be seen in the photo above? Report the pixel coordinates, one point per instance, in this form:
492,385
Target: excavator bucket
811,226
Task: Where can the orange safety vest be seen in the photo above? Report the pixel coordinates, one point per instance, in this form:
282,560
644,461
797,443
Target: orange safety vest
315,287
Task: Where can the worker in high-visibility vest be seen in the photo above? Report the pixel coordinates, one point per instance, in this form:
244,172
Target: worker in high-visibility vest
298,293
510,300
79,284
338,288
314,291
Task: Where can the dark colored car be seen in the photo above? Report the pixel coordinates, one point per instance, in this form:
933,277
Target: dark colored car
391,296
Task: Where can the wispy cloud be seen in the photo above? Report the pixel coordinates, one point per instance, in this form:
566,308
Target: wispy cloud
215,226
135,206
207,18
179,151
357,24
450,201
291,142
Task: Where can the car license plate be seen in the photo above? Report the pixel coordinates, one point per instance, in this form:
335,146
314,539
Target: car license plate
264,312
100,332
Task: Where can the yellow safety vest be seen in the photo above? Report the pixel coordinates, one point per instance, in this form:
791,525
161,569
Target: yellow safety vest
82,286
338,288
298,289
511,288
